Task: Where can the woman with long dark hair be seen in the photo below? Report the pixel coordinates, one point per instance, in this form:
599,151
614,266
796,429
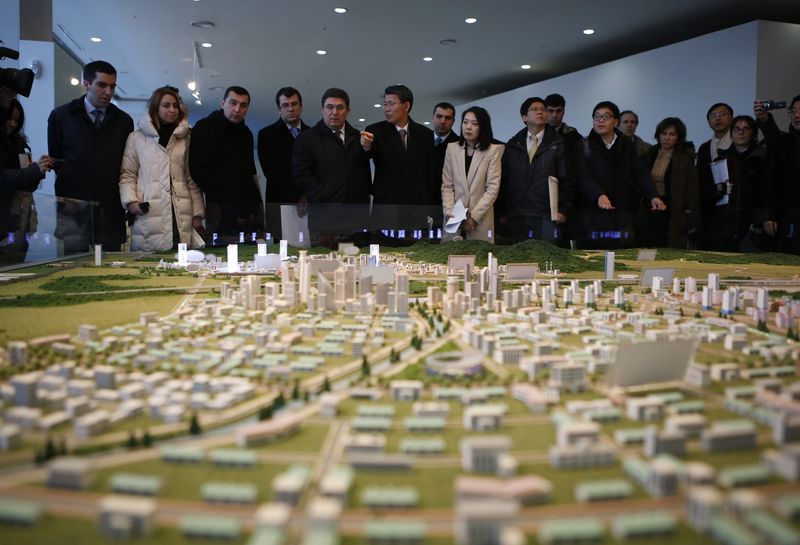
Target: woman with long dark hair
471,174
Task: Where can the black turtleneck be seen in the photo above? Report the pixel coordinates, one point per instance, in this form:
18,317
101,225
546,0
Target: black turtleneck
165,133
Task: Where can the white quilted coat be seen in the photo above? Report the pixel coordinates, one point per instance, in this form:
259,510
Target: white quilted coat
147,169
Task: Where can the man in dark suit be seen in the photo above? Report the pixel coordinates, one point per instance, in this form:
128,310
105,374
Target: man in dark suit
402,151
329,167
444,115
87,139
720,119
275,143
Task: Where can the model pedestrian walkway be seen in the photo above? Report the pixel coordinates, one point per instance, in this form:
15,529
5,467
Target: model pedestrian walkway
14,511
131,483
229,492
209,527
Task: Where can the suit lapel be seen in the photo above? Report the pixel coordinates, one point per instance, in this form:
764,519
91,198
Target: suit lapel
461,171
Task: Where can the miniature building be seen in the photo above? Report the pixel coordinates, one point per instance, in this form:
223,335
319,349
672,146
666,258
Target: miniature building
25,389
482,454
365,443
336,483
785,462
288,486
645,408
664,442
10,437
70,472
703,504
483,417
576,432
583,530
663,478
126,518
406,390
568,377
611,489
581,455
643,525
268,431
480,522
323,515
690,425
272,516
729,435
431,408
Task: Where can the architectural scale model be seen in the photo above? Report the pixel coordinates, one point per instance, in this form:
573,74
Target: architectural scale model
348,397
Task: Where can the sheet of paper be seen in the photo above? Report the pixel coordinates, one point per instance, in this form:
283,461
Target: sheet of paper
553,184
719,170
459,215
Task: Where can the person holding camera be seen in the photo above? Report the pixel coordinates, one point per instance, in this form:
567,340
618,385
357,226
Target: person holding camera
164,204
783,194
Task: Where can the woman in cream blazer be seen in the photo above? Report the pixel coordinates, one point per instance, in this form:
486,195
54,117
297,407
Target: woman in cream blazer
471,174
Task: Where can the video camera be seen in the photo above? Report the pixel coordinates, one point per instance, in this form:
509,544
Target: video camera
20,80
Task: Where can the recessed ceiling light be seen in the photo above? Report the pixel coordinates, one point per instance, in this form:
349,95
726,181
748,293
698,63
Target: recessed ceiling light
202,24
427,59
426,123
470,20
361,119
588,31
216,88
377,105
198,102
74,81
448,41
526,66
340,10
191,85
321,52
96,40
206,44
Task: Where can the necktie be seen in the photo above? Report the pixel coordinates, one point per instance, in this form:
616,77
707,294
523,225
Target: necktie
295,131
404,137
438,140
98,119
532,149
340,134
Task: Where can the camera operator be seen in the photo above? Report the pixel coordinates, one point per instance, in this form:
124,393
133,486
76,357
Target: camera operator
783,194
13,176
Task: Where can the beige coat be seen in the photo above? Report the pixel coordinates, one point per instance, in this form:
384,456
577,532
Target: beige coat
147,170
476,189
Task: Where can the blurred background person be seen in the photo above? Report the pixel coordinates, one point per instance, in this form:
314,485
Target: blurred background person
674,176
617,178
628,121
471,174
20,177
163,203
783,194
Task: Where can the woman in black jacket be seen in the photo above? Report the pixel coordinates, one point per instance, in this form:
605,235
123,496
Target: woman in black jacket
735,222
615,181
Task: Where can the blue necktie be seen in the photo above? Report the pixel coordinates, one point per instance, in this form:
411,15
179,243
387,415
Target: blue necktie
295,131
98,119
438,140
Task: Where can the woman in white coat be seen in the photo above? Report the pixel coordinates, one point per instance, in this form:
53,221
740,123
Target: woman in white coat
471,174
163,202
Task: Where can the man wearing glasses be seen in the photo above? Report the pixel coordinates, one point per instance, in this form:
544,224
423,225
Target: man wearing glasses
783,194
533,155
720,118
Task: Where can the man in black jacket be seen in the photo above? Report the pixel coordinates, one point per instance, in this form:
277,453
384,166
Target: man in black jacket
720,119
221,163
329,167
86,138
533,155
275,143
402,151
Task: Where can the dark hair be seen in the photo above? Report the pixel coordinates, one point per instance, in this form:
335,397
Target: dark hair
287,92
17,136
90,70
717,105
523,109
485,135
795,99
403,93
236,90
608,105
555,100
623,112
335,92
750,123
444,106
675,123
155,101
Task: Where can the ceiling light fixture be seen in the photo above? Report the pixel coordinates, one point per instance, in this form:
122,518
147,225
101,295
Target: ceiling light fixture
526,66
207,44
74,81
198,102
192,85
377,105
96,40
426,122
448,41
361,119
588,31
202,24
470,20
321,52
340,10
427,59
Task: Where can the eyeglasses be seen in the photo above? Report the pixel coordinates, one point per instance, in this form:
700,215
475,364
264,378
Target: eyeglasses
741,130
537,110
794,111
390,104
602,117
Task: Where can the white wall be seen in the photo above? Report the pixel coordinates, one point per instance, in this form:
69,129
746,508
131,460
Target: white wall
778,75
681,80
